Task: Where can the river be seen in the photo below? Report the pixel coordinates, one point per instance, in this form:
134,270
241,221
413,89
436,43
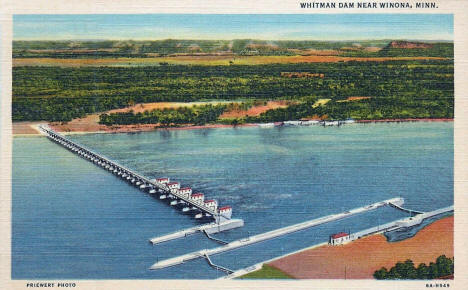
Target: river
74,220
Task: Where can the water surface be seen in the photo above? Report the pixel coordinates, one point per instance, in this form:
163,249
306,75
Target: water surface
72,220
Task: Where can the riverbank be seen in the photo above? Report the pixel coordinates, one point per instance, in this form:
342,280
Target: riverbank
28,128
361,258
89,125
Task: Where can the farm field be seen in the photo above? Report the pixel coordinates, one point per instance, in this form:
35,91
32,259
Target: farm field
201,60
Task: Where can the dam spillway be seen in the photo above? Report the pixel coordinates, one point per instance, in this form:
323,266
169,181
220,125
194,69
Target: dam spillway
179,196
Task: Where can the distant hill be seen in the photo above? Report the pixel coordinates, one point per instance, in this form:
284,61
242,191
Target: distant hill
249,47
410,48
409,44
172,47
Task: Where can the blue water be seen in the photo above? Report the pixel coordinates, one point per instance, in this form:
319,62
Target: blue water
72,219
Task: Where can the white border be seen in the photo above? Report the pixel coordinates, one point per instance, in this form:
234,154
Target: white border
9,7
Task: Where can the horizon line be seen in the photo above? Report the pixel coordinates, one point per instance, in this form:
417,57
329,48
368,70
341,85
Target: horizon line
232,39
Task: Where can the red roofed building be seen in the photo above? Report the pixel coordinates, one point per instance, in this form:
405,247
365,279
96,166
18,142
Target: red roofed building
173,185
163,180
185,190
226,211
197,197
211,203
339,239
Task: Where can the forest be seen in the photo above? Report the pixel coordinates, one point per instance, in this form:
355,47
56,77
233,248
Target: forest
198,115
396,89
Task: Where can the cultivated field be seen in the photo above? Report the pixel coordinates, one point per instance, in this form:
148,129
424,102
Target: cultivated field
200,60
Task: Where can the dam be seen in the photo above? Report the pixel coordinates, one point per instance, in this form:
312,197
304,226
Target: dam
184,198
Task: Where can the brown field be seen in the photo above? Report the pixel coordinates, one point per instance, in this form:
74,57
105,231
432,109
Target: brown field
362,257
199,60
85,124
318,52
255,110
71,50
140,108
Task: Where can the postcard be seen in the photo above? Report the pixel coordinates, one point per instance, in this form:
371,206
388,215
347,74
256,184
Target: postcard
180,145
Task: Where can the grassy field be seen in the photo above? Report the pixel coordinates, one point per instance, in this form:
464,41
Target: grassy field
267,272
199,60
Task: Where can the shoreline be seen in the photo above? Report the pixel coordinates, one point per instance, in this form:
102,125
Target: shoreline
384,254
136,128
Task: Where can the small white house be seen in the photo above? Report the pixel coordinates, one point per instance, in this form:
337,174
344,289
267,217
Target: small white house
185,190
198,197
173,185
226,211
339,239
211,203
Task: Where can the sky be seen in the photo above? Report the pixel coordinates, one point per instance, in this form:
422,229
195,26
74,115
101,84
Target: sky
234,26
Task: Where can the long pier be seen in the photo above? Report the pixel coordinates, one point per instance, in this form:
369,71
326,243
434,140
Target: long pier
272,234
139,180
210,228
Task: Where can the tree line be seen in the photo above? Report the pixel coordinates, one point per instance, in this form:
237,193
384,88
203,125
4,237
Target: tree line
442,267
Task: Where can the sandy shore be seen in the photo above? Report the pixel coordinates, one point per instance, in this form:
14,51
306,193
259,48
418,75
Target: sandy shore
362,257
26,129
